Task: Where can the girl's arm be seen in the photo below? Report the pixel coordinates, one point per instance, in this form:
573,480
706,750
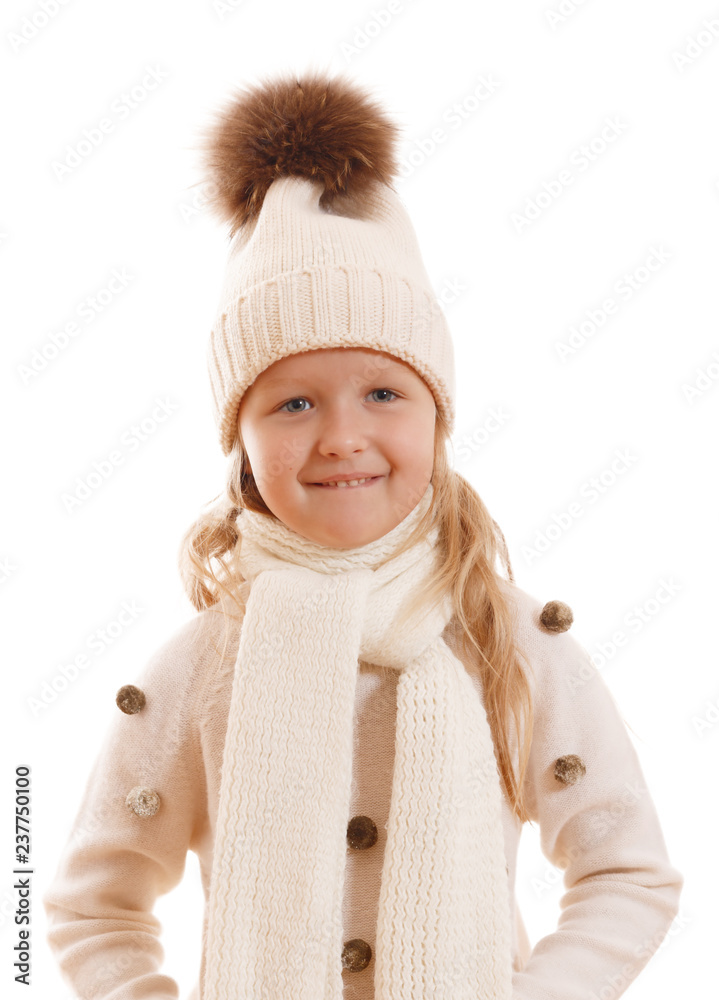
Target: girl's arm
621,892
116,863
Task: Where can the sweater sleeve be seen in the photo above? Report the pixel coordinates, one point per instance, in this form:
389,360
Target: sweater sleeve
621,892
116,862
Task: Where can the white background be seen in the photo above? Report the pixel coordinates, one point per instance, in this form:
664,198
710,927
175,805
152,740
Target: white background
647,194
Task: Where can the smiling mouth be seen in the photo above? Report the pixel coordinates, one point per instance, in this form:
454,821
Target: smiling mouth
348,484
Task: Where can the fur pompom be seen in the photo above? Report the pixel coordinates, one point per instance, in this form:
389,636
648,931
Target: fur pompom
313,126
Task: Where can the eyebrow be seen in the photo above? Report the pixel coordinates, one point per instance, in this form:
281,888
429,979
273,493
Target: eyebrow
281,381
392,372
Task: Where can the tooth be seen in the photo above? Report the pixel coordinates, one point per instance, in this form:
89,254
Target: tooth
344,483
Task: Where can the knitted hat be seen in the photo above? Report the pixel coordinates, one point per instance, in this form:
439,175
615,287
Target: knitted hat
322,253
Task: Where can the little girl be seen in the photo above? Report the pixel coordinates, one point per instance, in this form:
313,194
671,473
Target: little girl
353,729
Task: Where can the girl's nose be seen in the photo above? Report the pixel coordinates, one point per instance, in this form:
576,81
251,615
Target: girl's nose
342,432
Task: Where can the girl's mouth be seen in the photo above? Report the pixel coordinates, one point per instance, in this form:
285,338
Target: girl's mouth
350,484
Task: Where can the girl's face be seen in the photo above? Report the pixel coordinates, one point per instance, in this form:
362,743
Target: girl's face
326,413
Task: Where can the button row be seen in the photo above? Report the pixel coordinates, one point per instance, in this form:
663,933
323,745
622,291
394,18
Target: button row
361,834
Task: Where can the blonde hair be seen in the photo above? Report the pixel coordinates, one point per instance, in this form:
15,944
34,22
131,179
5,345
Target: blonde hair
470,542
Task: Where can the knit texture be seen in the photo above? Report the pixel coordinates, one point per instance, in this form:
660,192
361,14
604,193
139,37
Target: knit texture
301,278
275,910
606,869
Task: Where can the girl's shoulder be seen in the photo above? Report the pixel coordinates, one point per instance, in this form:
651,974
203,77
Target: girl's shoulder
181,667
547,636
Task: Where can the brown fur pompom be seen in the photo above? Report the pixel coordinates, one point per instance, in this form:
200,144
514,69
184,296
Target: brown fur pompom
130,699
556,616
312,126
569,769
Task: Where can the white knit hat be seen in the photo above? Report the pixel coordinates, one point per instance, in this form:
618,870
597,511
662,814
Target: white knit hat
323,253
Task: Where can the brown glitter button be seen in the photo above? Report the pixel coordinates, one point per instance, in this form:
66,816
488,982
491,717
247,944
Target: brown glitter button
142,801
569,769
356,955
361,832
556,616
130,699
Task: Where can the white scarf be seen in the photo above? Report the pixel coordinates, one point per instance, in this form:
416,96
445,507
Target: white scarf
275,909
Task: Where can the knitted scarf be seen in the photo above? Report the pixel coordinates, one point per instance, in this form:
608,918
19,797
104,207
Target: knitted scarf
275,909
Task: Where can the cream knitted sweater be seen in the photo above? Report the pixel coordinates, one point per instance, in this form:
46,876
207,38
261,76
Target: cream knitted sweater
621,892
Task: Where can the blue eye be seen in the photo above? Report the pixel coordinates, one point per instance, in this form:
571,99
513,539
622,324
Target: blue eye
303,399
293,401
